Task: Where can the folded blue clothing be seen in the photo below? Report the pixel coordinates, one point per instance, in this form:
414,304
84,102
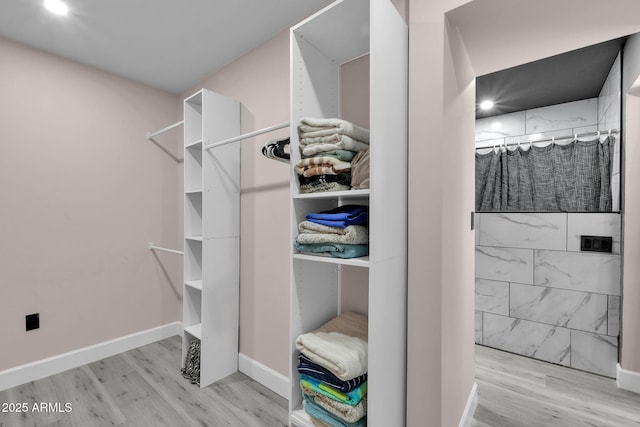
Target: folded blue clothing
321,414
337,250
342,216
307,367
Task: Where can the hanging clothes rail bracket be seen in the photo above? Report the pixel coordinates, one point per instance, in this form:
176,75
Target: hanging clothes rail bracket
247,135
152,247
150,135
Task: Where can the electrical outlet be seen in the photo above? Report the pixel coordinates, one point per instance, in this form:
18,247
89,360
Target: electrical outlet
32,321
596,243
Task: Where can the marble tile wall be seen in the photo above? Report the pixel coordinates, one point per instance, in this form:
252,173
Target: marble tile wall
538,295
539,123
609,117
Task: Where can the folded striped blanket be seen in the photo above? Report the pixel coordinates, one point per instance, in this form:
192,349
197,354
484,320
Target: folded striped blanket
343,411
318,127
321,165
311,233
307,367
351,398
325,417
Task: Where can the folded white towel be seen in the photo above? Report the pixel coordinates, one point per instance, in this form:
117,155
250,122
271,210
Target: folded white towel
310,127
344,356
344,143
312,233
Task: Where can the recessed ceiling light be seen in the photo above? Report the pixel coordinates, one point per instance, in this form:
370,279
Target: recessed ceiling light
56,6
486,105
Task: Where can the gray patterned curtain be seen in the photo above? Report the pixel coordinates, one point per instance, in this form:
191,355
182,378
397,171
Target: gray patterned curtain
559,178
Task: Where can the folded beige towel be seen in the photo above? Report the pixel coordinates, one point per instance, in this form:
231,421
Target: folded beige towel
345,143
310,232
339,345
310,127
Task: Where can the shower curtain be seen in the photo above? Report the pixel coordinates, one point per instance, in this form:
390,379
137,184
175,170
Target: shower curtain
561,178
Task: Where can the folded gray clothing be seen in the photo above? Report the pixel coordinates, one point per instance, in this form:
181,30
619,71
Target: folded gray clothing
311,233
310,127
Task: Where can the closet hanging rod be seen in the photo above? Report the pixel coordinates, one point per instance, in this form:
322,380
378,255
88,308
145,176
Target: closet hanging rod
555,138
175,125
152,247
247,135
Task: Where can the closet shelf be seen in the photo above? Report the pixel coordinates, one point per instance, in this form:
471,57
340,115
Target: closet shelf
188,192
195,238
348,194
357,262
195,284
196,144
194,330
300,418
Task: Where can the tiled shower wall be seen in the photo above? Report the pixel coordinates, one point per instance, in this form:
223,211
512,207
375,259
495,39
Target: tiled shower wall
538,295
609,117
562,120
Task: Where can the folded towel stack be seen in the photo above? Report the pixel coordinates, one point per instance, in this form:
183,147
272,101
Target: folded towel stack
328,147
341,232
333,371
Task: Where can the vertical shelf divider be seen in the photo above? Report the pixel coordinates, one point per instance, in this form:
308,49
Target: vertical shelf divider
212,233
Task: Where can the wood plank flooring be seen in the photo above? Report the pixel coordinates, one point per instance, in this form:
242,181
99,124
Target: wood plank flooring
143,388
515,391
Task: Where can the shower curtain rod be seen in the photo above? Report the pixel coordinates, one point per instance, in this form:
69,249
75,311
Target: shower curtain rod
552,139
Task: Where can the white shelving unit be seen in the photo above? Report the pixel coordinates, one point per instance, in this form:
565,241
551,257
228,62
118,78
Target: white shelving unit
212,233
344,31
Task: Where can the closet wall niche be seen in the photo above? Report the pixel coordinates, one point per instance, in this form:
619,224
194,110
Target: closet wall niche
372,39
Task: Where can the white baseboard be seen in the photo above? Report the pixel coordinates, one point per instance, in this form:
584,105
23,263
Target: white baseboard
627,380
53,365
470,407
264,375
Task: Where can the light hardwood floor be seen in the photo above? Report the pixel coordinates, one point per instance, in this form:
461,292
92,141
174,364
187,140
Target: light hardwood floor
144,388
515,391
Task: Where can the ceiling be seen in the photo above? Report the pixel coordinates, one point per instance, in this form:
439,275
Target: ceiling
167,44
572,76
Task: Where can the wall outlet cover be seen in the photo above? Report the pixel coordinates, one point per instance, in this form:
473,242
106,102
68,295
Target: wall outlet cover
32,321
